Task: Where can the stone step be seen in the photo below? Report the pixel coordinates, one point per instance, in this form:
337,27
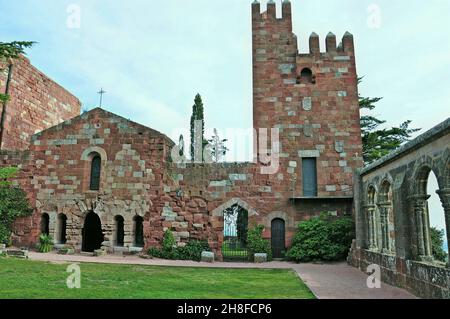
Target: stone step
86,254
100,252
17,253
66,251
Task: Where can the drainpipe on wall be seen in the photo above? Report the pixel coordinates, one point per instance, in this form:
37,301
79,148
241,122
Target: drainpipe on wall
3,115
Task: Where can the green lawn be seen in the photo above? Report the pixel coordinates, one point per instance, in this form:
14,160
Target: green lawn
32,279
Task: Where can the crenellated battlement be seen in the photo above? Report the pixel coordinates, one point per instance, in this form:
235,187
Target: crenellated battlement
267,24
345,46
271,11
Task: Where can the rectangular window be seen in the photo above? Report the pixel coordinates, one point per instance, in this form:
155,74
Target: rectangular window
309,173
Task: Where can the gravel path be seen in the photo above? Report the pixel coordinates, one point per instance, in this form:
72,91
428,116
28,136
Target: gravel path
326,281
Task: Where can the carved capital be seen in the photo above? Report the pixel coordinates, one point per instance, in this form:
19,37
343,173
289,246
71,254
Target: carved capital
444,195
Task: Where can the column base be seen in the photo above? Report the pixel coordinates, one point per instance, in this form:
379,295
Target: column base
426,258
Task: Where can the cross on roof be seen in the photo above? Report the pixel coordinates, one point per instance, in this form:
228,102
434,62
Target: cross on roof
101,92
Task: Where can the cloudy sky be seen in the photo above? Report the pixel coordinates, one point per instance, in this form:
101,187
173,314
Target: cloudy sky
152,57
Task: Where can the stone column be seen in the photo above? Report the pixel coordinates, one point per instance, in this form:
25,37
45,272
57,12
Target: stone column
384,216
421,225
445,199
371,226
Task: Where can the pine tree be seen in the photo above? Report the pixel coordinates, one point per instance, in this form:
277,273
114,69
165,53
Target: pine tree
380,142
197,115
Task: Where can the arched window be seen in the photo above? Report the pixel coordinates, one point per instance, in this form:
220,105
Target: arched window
61,229
45,224
119,231
138,231
96,166
306,76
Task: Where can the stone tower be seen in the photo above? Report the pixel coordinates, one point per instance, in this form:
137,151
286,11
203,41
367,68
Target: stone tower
311,98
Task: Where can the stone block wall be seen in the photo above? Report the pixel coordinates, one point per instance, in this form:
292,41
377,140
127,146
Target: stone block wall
317,114
36,103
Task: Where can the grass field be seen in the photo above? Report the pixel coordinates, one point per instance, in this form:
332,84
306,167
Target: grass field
32,279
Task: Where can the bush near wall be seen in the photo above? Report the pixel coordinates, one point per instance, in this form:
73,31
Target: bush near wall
13,204
192,251
323,238
256,244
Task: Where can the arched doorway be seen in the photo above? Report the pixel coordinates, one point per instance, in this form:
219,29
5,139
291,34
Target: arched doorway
61,229
235,229
138,231
278,234
119,231
45,224
92,233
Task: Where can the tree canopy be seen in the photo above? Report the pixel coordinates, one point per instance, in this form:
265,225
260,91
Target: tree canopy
377,141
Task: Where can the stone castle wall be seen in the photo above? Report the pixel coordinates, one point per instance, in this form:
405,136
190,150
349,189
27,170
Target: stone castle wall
316,117
36,103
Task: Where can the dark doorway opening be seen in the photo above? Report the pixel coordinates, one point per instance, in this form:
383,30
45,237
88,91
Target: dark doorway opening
120,233
62,229
45,224
138,231
92,233
278,230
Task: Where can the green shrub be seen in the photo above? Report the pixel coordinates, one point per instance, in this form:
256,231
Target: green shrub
192,251
257,244
13,204
322,239
437,244
45,243
168,241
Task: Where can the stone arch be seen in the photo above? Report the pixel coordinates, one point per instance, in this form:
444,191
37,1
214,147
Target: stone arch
85,156
385,189
218,212
289,220
371,194
420,174
419,198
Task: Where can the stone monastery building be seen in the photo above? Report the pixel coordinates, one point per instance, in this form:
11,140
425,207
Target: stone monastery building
98,180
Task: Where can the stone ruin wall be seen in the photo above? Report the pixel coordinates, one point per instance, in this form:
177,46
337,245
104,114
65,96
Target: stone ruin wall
407,262
36,103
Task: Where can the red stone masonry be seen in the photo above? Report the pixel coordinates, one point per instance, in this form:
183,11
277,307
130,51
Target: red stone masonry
318,118
36,103
317,115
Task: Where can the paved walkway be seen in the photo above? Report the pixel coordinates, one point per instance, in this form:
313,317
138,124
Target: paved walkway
326,281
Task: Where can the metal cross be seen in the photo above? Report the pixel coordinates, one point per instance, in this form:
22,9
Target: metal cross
101,92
